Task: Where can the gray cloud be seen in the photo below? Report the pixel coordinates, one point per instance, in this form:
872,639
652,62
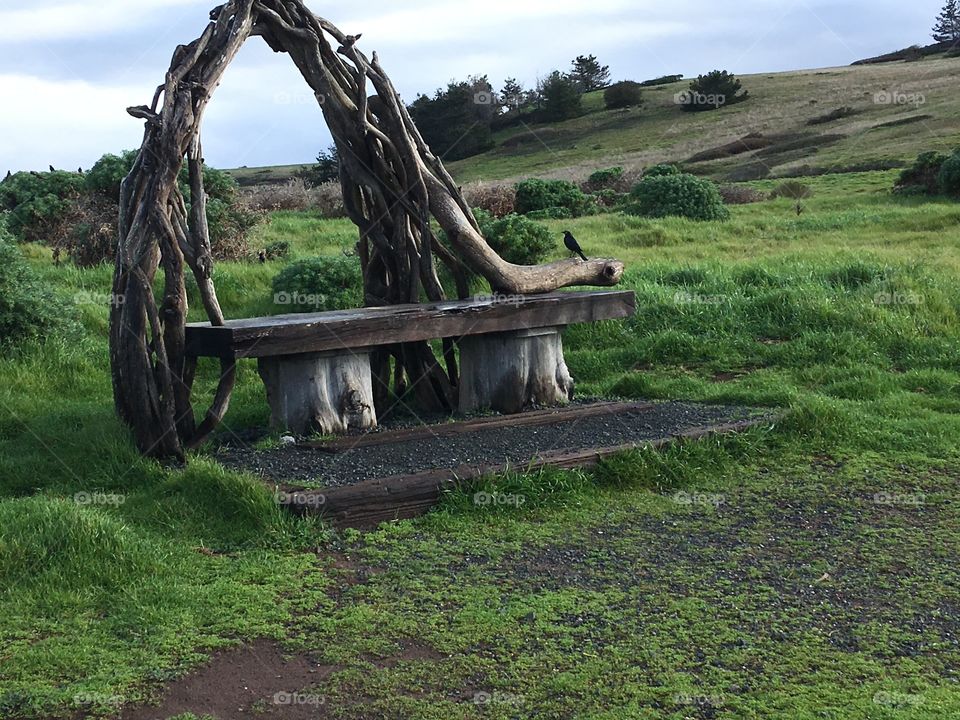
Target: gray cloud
68,68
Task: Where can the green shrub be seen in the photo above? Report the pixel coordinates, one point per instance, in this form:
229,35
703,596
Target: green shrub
623,94
603,179
661,170
516,238
277,250
108,172
609,198
534,194
662,80
681,195
923,176
27,308
77,214
230,224
948,180
38,203
327,282
712,91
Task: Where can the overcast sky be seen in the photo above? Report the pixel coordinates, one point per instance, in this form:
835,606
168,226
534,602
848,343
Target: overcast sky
69,68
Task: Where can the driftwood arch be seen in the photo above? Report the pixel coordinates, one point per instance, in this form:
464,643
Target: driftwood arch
392,186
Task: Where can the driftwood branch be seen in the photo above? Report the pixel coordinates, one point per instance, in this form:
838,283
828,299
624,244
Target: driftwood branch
393,188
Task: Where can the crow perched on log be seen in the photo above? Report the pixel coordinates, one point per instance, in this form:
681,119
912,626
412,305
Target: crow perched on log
572,245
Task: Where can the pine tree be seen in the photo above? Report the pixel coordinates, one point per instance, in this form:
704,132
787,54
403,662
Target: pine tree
561,97
512,94
947,28
588,74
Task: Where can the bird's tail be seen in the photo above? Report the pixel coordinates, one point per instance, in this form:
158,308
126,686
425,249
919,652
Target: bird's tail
580,252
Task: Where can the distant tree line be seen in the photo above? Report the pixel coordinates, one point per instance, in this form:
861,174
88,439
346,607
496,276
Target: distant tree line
459,121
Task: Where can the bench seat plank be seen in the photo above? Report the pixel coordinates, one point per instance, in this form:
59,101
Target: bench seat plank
370,327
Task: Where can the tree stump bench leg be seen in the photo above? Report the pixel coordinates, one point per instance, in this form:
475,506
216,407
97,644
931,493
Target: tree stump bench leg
510,371
326,393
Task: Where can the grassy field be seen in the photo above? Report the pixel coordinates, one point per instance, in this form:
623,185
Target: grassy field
780,104
802,571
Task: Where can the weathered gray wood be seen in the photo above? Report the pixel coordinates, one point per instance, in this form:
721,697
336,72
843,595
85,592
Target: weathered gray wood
545,416
371,327
509,372
325,393
392,185
368,503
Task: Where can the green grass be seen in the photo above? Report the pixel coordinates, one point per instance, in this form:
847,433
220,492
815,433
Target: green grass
601,596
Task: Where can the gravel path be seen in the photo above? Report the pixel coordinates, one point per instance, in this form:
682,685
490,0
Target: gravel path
513,445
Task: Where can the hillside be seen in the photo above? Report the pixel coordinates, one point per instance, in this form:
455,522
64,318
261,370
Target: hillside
790,110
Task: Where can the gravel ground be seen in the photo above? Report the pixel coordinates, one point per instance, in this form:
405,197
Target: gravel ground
513,445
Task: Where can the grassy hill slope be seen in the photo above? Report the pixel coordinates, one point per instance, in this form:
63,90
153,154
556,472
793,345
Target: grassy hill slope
874,136
781,105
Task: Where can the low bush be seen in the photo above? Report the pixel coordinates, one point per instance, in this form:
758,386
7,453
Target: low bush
603,179
623,94
838,114
38,203
662,80
516,238
108,172
328,199
792,189
712,91
677,195
319,283
77,214
535,194
923,176
948,179
740,194
292,195
497,199
609,198
230,226
277,250
27,308
90,232
662,170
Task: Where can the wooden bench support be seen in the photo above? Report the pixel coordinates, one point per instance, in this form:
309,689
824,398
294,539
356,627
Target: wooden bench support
511,371
325,393
511,353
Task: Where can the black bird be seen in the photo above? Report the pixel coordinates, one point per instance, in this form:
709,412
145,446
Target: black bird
572,245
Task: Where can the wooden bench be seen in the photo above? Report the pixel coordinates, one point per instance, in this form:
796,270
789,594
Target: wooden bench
316,367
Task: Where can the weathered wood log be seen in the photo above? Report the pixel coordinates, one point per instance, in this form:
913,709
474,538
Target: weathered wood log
511,371
322,393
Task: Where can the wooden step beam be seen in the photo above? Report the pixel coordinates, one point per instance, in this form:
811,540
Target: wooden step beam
370,502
